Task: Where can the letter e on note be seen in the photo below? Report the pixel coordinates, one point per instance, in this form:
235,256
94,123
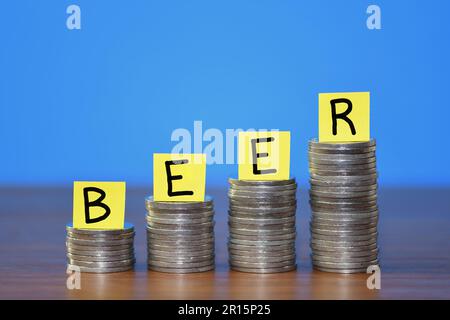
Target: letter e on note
264,155
98,205
179,177
344,117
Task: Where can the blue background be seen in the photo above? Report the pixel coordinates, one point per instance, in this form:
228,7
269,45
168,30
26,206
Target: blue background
96,103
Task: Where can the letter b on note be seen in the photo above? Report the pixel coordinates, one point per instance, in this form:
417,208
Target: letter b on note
344,117
98,205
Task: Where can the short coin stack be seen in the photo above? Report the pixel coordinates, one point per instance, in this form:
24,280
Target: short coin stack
101,251
180,236
262,225
343,198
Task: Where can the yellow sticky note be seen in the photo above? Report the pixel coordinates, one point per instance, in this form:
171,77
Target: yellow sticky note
179,177
98,205
344,117
264,155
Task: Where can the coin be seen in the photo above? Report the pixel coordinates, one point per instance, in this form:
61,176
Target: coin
97,264
289,236
264,270
208,202
128,227
99,258
259,183
102,270
181,270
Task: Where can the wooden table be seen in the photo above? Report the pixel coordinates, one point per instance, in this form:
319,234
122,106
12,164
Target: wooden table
414,237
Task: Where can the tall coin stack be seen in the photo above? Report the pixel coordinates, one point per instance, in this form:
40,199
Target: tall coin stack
343,198
262,225
180,236
100,251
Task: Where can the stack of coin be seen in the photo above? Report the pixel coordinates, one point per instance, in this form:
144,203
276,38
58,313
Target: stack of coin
100,251
343,198
262,225
180,236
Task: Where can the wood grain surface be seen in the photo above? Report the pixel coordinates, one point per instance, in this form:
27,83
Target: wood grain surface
414,237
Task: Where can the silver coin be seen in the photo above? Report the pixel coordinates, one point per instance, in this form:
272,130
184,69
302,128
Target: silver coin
345,260
179,232
260,242
339,161
262,210
341,145
348,215
370,198
155,246
342,151
343,194
264,270
344,179
261,204
345,254
344,237
341,157
341,241
128,227
184,216
201,236
247,215
261,258
261,194
289,236
174,252
342,167
340,265
336,244
98,247
342,173
110,264
103,270
262,188
351,232
316,148
163,264
100,237
100,253
262,252
343,248
261,221
181,270
257,232
180,258
265,265
343,208
198,226
316,183
201,221
99,242
181,211
180,243
99,259
257,247
178,204
337,189
261,228
343,271
268,183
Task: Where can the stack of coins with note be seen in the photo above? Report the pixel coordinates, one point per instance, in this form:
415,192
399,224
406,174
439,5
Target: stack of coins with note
180,235
343,198
100,251
262,225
